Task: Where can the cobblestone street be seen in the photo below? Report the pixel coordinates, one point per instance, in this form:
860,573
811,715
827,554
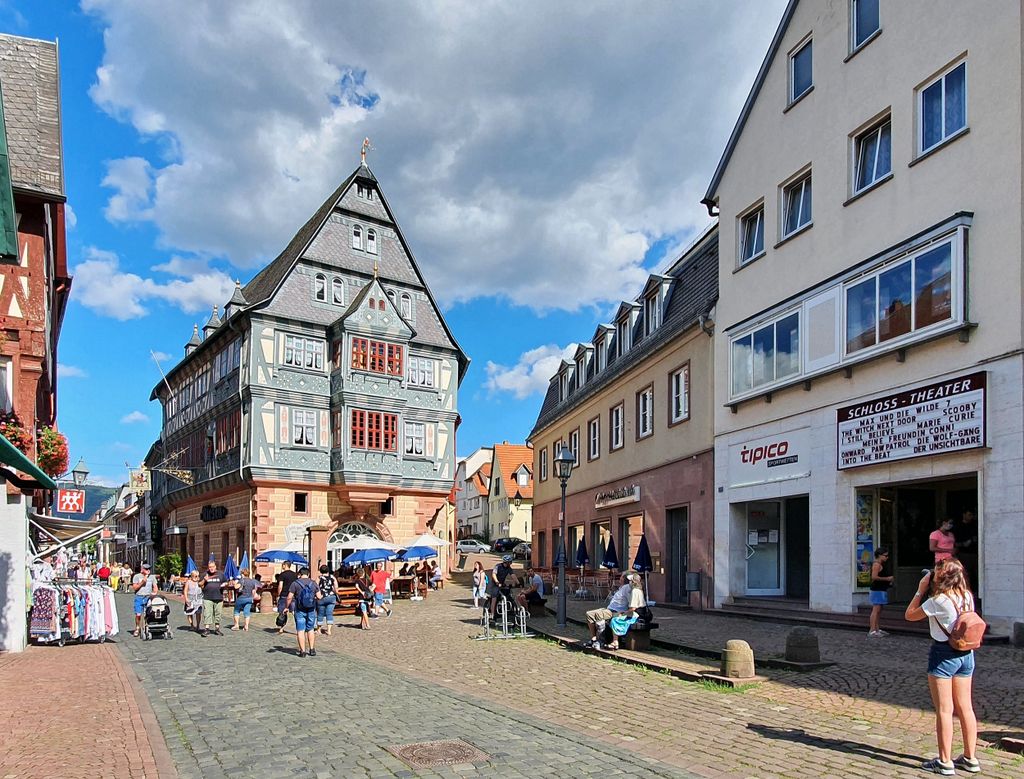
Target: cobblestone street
244,705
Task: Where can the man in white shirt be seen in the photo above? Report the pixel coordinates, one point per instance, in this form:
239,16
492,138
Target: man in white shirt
622,602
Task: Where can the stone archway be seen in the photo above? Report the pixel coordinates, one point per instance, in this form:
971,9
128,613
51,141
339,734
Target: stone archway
346,531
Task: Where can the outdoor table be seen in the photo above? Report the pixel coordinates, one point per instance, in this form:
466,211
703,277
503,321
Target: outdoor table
402,586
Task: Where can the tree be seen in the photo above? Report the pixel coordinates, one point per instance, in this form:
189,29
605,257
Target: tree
169,565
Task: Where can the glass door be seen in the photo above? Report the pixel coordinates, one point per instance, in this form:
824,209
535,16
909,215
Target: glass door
765,574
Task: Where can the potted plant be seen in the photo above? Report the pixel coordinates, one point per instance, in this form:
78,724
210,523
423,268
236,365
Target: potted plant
52,451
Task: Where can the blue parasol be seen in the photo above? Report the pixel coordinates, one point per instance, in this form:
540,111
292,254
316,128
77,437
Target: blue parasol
611,560
643,562
190,566
281,556
230,569
582,558
416,553
369,556
245,561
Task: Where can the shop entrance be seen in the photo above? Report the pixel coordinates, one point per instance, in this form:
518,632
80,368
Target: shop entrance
778,548
907,514
678,522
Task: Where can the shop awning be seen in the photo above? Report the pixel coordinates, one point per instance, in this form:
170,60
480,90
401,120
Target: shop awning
10,455
61,532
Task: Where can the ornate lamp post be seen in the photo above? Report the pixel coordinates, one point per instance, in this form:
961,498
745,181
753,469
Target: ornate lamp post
563,464
80,472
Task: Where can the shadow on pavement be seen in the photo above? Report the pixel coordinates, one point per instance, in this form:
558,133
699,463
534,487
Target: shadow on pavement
800,736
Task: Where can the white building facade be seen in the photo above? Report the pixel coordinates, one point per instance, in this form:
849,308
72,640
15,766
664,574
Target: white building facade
869,327
472,486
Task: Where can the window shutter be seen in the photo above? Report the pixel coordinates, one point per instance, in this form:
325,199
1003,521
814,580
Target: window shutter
428,446
324,440
284,428
821,329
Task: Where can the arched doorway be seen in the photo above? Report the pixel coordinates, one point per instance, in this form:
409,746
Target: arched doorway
338,545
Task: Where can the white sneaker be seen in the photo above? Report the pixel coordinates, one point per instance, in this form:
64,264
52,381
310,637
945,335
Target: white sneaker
881,633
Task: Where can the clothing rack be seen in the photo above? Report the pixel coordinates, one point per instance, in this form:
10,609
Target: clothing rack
67,610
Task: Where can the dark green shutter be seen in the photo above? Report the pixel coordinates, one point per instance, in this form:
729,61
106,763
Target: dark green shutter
8,229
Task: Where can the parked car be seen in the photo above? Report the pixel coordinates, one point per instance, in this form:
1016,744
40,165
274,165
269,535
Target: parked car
522,551
506,544
471,546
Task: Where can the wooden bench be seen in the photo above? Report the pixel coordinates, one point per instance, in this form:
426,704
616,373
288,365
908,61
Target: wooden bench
348,601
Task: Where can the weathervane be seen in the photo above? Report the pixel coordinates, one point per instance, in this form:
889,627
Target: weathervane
362,152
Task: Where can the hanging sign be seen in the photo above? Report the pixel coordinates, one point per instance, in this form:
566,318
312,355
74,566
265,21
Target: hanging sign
948,416
71,501
139,480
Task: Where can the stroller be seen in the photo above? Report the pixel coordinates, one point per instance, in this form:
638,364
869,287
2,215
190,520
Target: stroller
154,624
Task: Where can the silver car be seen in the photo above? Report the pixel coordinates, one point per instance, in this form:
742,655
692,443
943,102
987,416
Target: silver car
471,546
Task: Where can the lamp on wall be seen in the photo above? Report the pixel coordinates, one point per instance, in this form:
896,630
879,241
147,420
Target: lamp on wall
80,472
517,500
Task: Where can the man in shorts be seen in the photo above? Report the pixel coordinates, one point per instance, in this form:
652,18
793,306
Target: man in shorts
533,592
302,593
143,585
618,605
285,579
502,581
379,579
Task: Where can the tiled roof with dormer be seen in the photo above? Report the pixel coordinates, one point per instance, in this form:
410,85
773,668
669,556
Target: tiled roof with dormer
508,458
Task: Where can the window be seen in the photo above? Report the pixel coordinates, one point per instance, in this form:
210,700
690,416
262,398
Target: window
303,353
652,313
864,19
942,111
752,235
227,360
415,437
374,430
371,241
421,372
364,192
300,502
336,349
357,237
336,430
228,427
602,353
337,292
615,435
394,365
800,65
563,385
645,412
303,427
594,438
679,393
320,287
581,370
899,299
622,333
766,355
796,200
377,356
360,354
406,306
523,477
543,457
574,445
872,156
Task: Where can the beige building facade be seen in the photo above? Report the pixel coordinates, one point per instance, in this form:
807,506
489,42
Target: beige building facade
868,368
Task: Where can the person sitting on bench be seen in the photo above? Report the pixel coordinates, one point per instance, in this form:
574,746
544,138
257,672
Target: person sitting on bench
533,591
623,602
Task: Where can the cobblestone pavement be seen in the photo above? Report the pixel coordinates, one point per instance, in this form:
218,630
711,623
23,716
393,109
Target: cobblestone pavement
73,712
881,679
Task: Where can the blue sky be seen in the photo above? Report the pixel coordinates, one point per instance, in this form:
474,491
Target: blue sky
539,171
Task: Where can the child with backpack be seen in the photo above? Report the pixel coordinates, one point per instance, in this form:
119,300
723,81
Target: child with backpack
304,593
944,599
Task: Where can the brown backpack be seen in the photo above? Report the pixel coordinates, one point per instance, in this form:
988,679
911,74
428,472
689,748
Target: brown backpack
967,630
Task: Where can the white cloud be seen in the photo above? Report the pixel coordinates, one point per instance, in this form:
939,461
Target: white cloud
101,285
70,372
106,481
161,356
531,374
133,417
70,217
537,162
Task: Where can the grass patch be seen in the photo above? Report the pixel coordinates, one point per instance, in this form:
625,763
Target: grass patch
713,686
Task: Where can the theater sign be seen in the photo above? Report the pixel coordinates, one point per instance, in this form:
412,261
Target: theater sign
948,416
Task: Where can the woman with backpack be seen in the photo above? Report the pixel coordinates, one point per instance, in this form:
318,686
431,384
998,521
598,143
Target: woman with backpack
944,599
328,587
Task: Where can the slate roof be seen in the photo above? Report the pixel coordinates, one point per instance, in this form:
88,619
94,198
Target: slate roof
748,105
509,457
30,77
693,293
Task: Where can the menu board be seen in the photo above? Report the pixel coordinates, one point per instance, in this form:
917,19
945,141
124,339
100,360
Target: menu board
948,416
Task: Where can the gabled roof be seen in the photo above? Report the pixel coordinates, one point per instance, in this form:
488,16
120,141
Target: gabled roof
508,458
625,307
653,281
481,479
748,105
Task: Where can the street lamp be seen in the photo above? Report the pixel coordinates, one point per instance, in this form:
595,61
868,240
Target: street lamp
79,472
517,500
564,461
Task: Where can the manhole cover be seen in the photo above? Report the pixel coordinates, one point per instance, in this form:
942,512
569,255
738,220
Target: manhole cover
428,754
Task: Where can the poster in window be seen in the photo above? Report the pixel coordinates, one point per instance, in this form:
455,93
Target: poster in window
865,537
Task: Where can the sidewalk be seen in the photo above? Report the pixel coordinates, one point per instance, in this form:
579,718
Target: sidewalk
77,712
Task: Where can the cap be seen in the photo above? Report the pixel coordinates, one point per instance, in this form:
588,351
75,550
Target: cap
632,577
506,558
145,565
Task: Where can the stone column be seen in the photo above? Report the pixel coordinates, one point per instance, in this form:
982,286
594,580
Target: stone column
318,535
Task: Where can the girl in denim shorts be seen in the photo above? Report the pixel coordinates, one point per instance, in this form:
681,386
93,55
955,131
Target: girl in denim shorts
941,596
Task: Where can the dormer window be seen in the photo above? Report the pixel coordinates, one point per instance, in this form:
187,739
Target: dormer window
393,297
364,192
602,354
371,241
622,334
406,306
320,287
357,237
563,385
337,292
581,370
652,313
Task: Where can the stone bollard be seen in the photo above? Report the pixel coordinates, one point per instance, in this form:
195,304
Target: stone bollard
738,660
802,646
1018,634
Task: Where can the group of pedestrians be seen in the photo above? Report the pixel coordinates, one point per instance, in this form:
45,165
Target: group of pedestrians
204,599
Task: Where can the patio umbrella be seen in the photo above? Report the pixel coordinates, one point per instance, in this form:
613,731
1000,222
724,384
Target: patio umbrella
190,566
643,563
416,553
369,556
427,539
280,556
582,558
611,560
370,542
245,561
230,569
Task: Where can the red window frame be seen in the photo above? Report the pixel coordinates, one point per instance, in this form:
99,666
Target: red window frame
390,425
378,356
395,360
358,429
360,354
374,430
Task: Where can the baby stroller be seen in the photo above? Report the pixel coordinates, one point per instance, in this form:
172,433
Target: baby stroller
154,624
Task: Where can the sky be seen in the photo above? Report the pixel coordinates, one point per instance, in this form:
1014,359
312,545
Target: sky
542,159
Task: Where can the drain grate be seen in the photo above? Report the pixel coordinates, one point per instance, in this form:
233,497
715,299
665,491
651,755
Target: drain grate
428,754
